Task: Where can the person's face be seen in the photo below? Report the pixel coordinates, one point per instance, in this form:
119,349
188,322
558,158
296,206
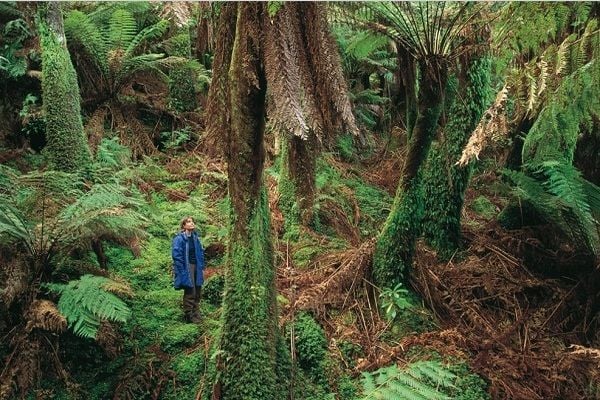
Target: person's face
189,225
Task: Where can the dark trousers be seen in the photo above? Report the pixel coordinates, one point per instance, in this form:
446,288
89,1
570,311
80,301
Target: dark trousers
191,296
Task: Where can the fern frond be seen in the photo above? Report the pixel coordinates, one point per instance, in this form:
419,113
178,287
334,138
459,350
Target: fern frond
141,63
85,303
106,210
80,30
13,224
121,29
420,381
43,314
9,10
149,33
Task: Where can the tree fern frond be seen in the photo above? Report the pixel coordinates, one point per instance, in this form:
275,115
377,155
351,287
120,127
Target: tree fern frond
422,380
141,63
43,314
149,33
8,9
13,224
121,29
80,30
85,303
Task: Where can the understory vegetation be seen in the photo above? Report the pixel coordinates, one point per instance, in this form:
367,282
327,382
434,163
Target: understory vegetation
396,200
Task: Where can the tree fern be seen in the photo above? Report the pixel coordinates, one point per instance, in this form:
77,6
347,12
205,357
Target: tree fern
147,34
563,198
121,29
80,30
86,302
422,380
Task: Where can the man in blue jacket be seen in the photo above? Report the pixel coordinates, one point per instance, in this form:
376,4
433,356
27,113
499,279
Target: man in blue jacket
188,264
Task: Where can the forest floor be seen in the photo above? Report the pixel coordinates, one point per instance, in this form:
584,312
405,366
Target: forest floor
504,308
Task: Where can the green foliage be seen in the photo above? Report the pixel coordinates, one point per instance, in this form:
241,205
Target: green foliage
311,346
562,197
420,380
484,207
445,183
345,146
394,300
53,214
13,33
87,301
212,290
249,310
66,141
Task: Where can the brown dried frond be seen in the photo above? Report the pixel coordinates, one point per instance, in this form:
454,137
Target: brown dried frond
586,352
109,339
331,88
22,368
118,287
14,279
350,268
283,73
43,314
95,127
491,127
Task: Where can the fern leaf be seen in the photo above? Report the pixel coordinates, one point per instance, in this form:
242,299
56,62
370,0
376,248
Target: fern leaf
43,314
413,382
121,29
85,303
147,34
79,29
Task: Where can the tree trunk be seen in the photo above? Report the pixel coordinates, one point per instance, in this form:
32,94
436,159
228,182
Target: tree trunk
250,333
408,73
396,242
297,185
67,146
444,182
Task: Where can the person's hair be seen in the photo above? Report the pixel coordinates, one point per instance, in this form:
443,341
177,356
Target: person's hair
186,219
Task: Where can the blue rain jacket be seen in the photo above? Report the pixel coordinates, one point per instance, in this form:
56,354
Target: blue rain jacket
180,254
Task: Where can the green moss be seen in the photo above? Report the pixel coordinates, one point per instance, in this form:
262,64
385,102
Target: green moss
66,147
212,290
484,207
396,244
444,182
249,338
311,347
288,202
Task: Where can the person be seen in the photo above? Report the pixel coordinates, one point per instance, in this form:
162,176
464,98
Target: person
188,266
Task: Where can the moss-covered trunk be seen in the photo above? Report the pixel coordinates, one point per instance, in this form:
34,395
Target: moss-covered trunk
67,146
297,184
408,74
444,182
396,242
249,338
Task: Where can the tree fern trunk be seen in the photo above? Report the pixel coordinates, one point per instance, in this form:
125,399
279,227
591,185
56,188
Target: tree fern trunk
250,330
408,73
445,183
67,146
297,180
396,242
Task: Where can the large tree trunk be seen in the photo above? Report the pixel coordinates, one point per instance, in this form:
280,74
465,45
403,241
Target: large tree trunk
396,243
67,146
408,73
250,333
444,182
